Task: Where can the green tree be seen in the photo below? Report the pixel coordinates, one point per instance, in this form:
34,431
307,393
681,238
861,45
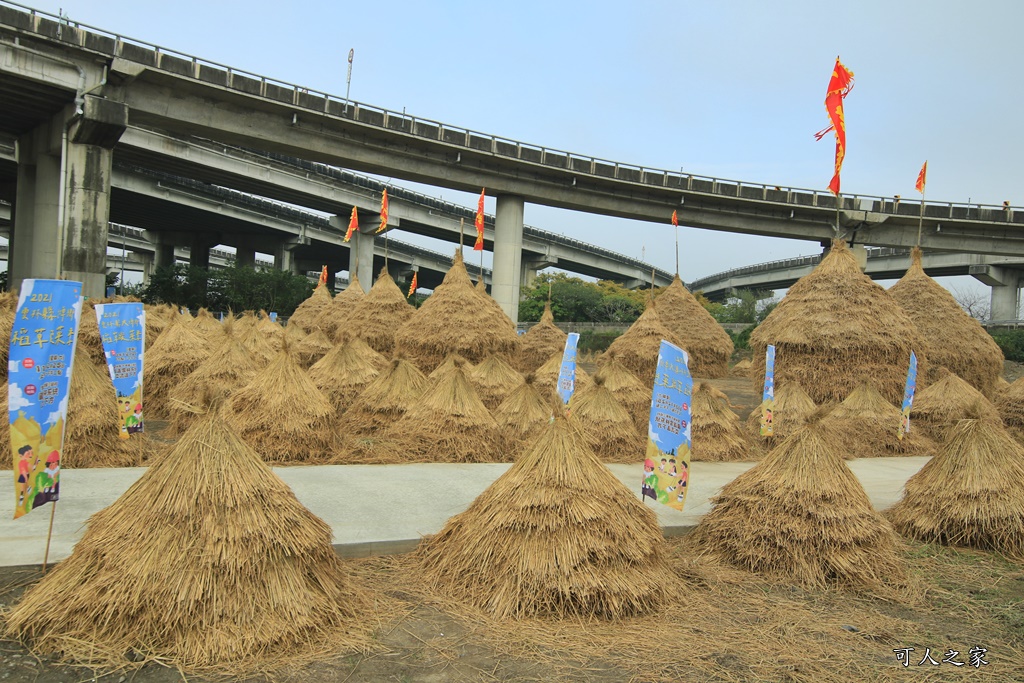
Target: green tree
237,288
576,300
746,306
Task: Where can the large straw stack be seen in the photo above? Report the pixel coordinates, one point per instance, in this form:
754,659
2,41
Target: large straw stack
177,353
345,371
283,415
970,494
385,399
791,406
523,415
540,342
448,423
867,426
453,320
949,337
707,343
607,426
940,406
637,348
377,316
801,515
207,563
836,328
494,379
312,348
628,390
717,433
1010,403
556,535
334,318
306,313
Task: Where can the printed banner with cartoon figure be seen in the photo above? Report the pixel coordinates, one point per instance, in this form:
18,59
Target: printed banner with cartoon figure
39,367
667,467
567,373
768,395
908,396
123,331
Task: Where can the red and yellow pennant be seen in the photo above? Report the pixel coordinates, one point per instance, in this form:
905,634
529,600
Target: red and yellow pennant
353,224
323,276
675,218
922,178
839,86
479,246
413,284
383,212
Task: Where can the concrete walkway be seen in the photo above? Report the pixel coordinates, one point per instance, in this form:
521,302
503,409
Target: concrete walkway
368,522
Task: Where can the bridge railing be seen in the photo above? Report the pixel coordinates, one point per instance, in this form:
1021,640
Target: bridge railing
63,29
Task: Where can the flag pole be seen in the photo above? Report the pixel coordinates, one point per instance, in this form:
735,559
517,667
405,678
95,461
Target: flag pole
482,267
49,535
462,225
920,220
677,250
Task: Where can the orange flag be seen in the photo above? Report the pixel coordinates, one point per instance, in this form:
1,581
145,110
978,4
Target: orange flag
383,212
479,246
675,218
839,86
413,284
353,224
921,177
323,276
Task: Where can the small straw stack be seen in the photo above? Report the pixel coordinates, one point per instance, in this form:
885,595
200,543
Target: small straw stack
334,318
707,343
207,327
345,371
540,342
940,406
377,316
742,369
718,434
628,390
451,363
790,410
448,423
89,336
522,415
607,426
1011,408
157,319
800,514
949,337
174,356
208,563
385,399
283,415
306,313
867,426
312,348
556,535
637,348
494,379
255,340
546,376
970,494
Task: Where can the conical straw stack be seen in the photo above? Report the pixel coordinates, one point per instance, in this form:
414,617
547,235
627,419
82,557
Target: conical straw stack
345,371
940,406
540,342
334,318
306,313
494,379
385,399
707,343
637,348
790,410
628,390
717,433
867,426
312,348
174,356
379,314
607,426
522,415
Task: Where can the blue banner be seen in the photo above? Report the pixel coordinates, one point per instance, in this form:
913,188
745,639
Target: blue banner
667,466
39,368
908,396
567,373
768,395
123,331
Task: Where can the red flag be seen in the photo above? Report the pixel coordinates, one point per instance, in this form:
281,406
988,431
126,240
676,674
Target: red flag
839,86
413,284
353,224
921,177
323,276
479,246
383,212
675,218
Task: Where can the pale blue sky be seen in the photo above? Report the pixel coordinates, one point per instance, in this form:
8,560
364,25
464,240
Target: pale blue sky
732,89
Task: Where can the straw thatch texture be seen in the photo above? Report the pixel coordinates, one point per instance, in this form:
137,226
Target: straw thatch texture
707,343
157,320
377,316
451,363
637,348
1011,404
523,415
836,328
333,319
89,336
556,535
970,494
540,342
867,426
283,415
546,376
607,426
173,357
385,399
494,379
448,423
790,410
312,348
345,371
207,327
453,320
207,563
255,340
306,313
628,390
717,433
742,369
941,405
949,337
801,514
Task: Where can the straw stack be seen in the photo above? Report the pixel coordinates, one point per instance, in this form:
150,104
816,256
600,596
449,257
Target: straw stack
628,390
540,342
1001,386
306,313
546,376
377,316
334,318
836,328
637,348
867,426
718,434
494,379
970,494
607,426
556,535
89,336
448,423
939,407
453,320
283,415
523,415
385,399
312,347
345,371
255,340
157,320
800,514
742,369
1011,408
707,343
949,337
175,355
207,327
450,364
790,409
208,563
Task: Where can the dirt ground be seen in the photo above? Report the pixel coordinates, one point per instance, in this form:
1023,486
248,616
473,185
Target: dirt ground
719,625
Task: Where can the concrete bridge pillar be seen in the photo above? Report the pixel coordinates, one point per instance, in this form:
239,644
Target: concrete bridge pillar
1006,297
147,266
199,251
360,254
35,238
245,256
163,250
508,254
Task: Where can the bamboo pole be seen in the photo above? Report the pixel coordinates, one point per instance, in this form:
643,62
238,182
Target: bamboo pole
49,535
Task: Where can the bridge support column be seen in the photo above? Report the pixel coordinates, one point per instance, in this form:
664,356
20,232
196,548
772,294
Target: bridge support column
245,256
361,258
199,251
147,266
1006,297
508,254
35,237
284,257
